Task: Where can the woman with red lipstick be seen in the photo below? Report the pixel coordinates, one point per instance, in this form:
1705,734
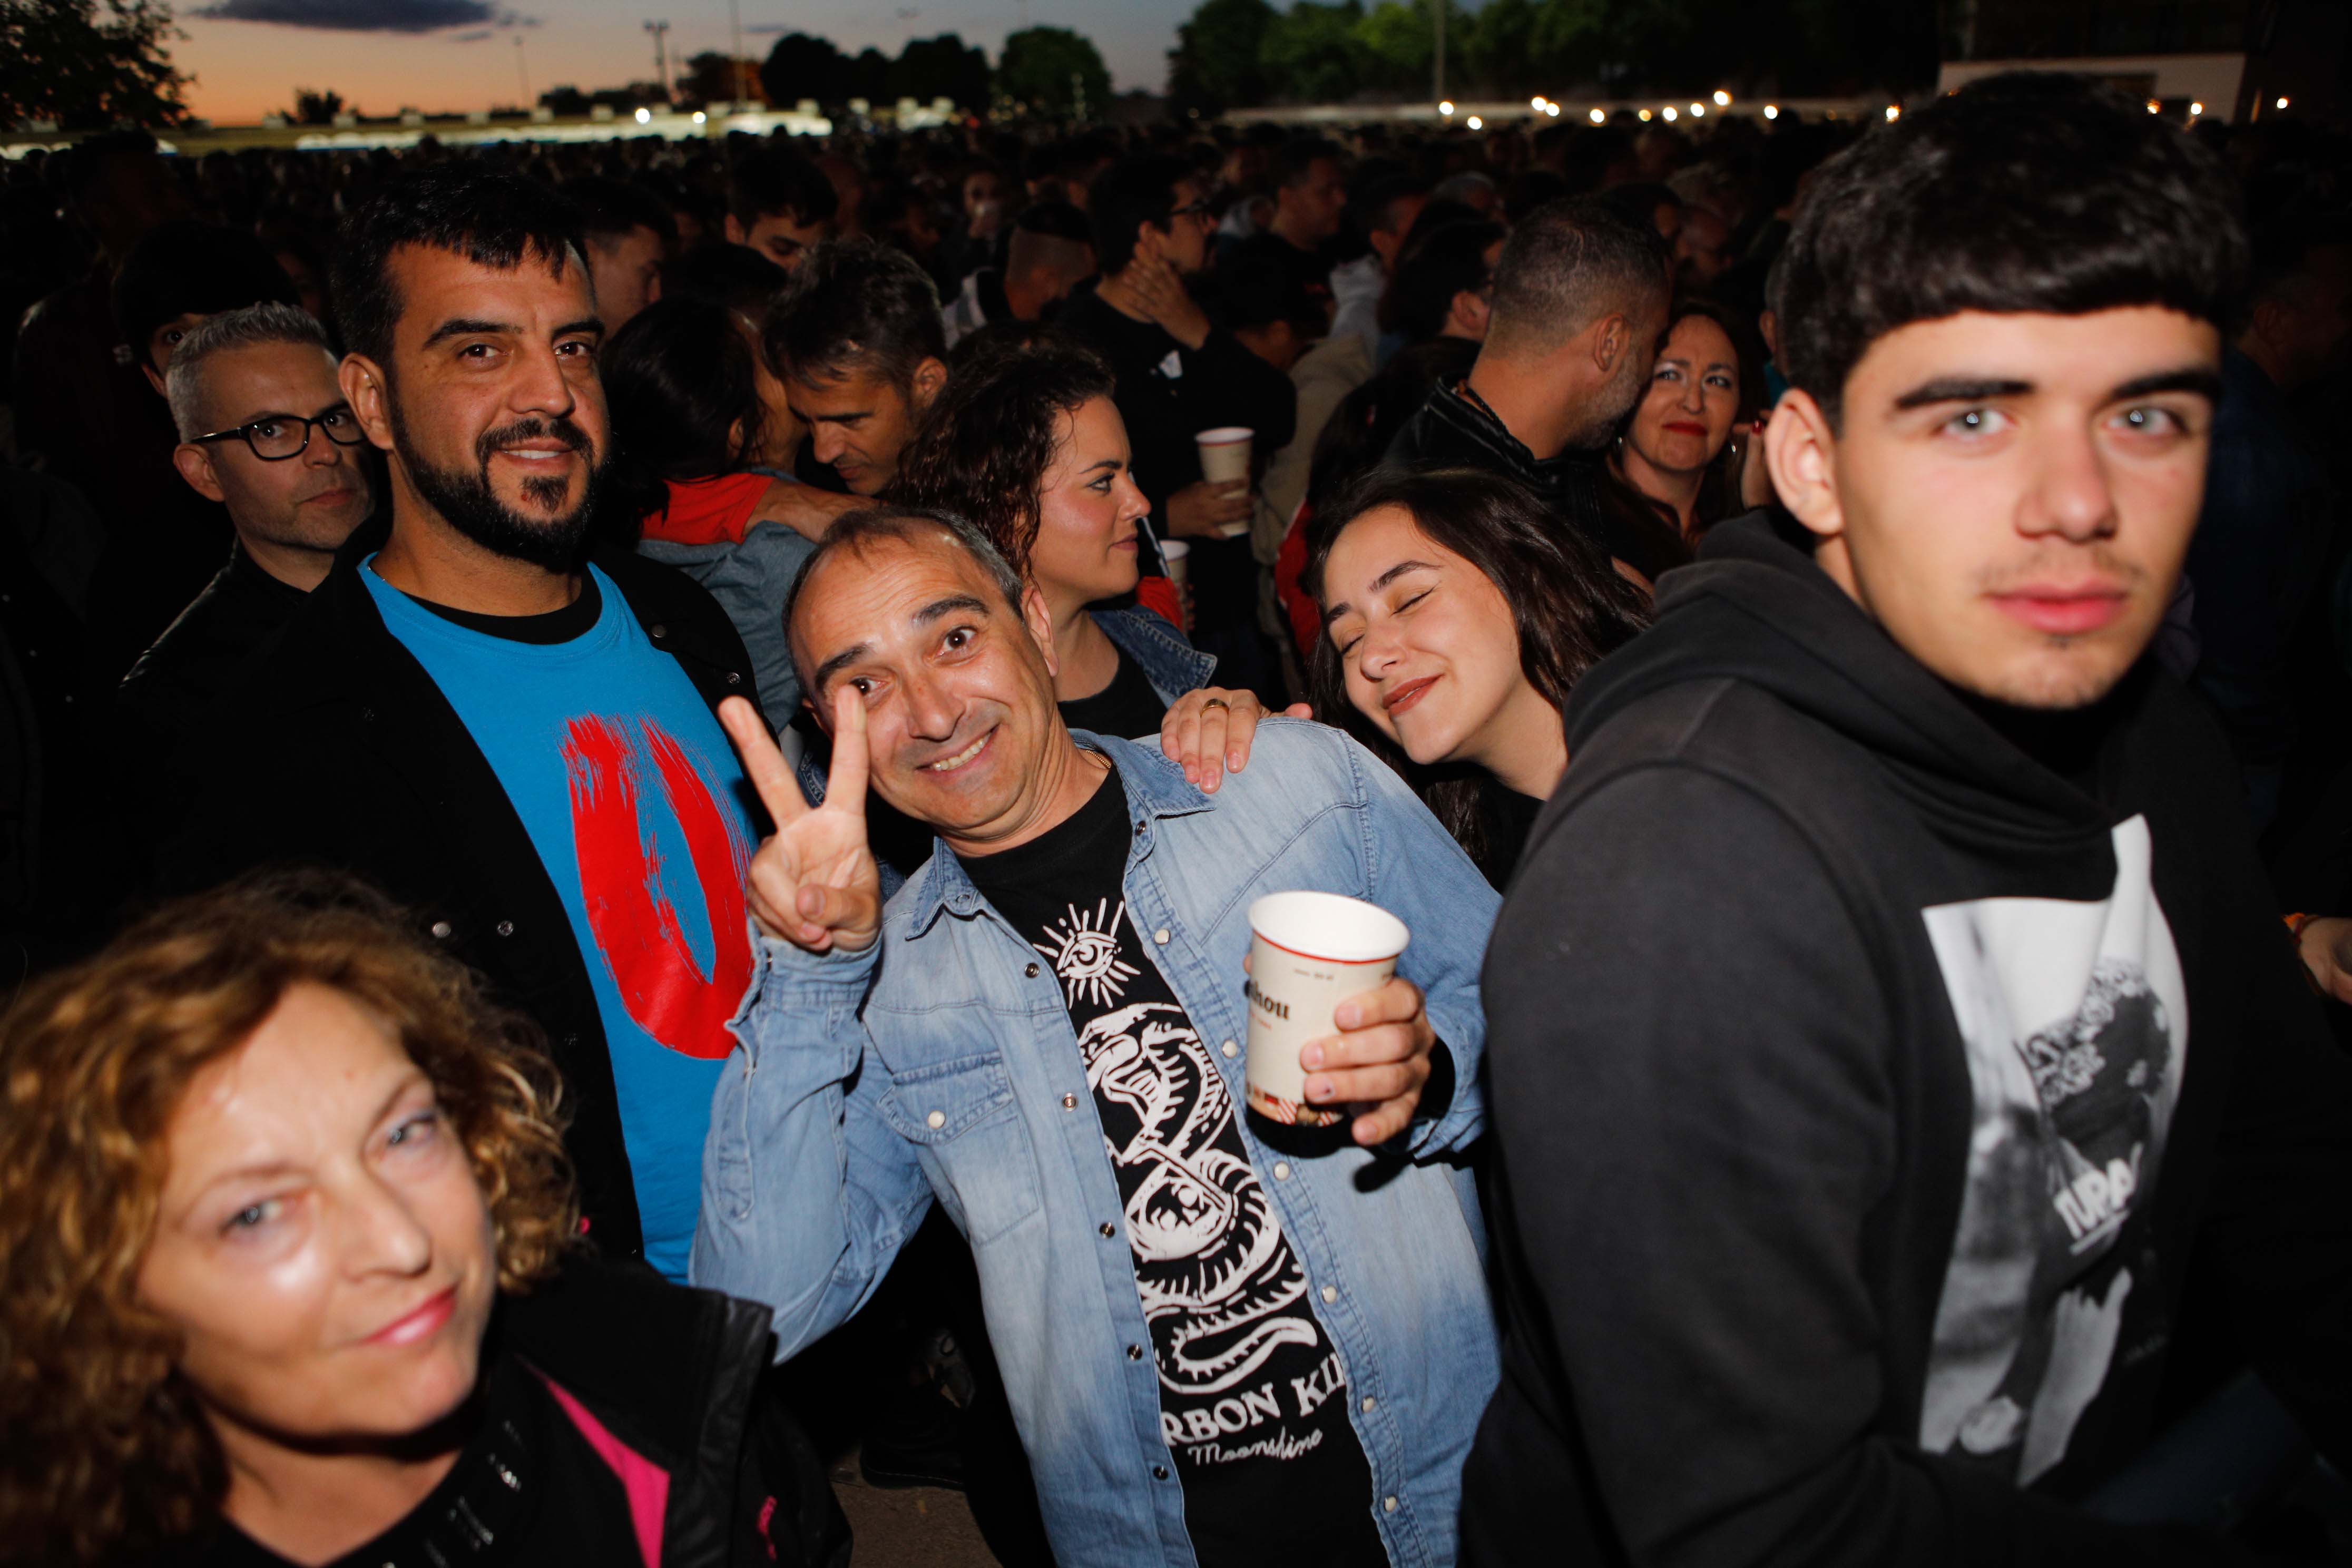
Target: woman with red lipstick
292,1276
1677,451
1457,614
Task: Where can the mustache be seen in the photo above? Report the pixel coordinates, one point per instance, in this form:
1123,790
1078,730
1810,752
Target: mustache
2066,563
559,429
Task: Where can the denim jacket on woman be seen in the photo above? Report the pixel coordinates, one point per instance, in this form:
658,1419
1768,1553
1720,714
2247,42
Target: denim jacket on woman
940,1063
1173,665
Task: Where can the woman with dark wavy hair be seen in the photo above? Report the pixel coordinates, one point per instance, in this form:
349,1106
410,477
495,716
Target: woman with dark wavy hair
289,1273
1025,443
1457,614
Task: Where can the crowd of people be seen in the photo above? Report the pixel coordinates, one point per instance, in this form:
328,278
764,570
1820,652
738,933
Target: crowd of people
638,773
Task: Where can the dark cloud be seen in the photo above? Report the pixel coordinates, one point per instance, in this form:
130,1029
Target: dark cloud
765,29
476,37
366,16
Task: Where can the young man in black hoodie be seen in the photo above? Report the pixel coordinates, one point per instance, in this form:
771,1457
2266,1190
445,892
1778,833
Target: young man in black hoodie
1889,999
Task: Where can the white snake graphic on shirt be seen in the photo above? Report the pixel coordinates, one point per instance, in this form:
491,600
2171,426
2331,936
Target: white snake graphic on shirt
1209,1252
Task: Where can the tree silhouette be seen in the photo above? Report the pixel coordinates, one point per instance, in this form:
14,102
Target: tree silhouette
86,68
803,67
316,108
1050,69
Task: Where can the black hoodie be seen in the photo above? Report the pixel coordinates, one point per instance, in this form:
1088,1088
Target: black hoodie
1864,1065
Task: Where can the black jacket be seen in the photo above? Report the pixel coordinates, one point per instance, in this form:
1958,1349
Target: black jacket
1867,1068
1455,429
340,751
681,1378
686,1378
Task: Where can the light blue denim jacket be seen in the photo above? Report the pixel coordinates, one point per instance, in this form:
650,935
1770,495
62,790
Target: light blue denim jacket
1168,661
940,1064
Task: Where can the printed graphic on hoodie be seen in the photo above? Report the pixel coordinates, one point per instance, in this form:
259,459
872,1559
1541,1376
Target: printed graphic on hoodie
2074,1017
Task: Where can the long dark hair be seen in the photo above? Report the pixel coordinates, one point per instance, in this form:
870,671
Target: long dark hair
1567,604
681,380
988,438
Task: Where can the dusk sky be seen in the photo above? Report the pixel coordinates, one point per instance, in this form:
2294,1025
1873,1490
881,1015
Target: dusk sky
248,56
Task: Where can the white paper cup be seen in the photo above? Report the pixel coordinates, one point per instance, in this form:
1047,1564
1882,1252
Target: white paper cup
1173,552
1308,952
1225,453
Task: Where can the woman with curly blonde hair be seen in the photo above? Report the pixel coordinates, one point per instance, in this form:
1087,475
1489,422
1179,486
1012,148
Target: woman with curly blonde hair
289,1273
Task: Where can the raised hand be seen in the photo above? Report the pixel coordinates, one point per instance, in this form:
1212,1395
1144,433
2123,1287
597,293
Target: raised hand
814,882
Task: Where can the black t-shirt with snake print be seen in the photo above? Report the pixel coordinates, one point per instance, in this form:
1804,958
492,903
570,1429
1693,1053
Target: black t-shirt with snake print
1252,1396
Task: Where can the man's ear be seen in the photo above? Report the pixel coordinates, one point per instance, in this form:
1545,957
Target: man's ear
1150,241
1611,336
196,466
929,376
364,388
1800,451
735,235
1039,622
1471,314
147,369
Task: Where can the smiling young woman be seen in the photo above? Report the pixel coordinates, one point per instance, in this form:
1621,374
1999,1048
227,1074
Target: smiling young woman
292,1271
1457,615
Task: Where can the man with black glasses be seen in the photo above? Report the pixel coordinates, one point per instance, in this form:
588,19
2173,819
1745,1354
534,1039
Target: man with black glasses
264,432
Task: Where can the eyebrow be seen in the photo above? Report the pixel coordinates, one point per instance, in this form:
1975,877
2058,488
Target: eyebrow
1379,582
289,413
936,610
1961,389
1113,464
468,326
2199,379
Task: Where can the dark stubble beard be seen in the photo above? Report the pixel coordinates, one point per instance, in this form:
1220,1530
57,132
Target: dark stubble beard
465,499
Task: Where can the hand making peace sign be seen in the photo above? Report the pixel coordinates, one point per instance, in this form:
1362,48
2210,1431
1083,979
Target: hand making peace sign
814,882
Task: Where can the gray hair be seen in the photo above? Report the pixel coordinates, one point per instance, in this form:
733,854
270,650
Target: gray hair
919,526
248,327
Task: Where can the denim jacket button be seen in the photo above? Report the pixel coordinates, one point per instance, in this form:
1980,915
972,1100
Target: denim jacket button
1230,1048
936,1119
1160,936
1108,1230
1282,1170
1030,973
1330,1294
1388,1505
1069,1102
1158,1472
1370,1405
1135,1352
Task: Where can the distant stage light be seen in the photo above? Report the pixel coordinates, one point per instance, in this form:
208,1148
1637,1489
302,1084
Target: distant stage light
645,117
700,117
1552,109
1669,113
1771,112
2195,110
1536,103
1722,99
2154,107
1698,112
1599,117
2280,104
1446,106
1645,114
1476,124
1894,111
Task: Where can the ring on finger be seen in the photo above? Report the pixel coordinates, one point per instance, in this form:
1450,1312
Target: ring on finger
1216,702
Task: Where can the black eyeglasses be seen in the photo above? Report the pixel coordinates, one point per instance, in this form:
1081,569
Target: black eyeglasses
1189,210
274,438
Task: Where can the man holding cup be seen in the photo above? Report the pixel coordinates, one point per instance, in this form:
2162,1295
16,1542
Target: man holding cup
1211,1350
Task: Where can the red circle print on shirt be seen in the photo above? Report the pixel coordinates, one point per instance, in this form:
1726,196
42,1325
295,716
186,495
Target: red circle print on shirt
622,882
